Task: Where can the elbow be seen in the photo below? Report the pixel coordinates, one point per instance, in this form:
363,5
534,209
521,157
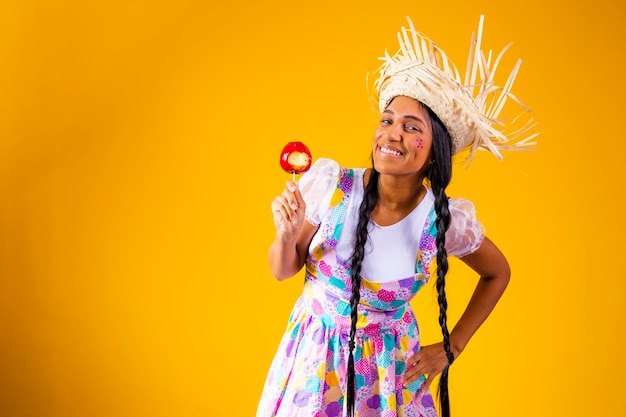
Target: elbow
282,272
284,268
281,276
506,279
507,271
504,275
499,276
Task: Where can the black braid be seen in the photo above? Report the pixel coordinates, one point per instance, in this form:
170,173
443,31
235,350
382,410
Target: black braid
443,221
370,197
439,175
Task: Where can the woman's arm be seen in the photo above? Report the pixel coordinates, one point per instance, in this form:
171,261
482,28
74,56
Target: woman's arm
289,250
494,272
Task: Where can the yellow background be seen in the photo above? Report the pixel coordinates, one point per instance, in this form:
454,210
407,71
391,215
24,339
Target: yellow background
139,145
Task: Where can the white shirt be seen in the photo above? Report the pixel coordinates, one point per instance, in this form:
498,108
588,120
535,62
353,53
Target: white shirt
391,251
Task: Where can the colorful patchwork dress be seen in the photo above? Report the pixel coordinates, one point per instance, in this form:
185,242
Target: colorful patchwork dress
308,375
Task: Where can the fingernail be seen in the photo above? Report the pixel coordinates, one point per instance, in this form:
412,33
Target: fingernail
294,206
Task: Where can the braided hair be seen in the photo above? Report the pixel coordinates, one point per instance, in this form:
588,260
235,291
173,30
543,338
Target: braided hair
370,198
438,174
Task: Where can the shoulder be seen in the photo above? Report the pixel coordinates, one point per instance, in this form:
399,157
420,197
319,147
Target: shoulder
322,173
462,213
316,187
461,205
326,172
466,233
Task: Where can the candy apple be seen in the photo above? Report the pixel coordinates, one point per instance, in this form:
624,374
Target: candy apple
295,158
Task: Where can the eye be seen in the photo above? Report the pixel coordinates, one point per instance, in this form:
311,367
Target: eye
412,128
386,122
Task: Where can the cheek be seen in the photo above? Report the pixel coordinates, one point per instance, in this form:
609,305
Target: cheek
419,144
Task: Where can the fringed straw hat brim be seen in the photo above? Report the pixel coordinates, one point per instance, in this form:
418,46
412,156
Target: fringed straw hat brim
468,109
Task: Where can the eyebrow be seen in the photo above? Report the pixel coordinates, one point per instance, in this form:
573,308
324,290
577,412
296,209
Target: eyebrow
408,116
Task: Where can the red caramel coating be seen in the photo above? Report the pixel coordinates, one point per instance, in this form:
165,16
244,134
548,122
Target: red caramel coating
295,158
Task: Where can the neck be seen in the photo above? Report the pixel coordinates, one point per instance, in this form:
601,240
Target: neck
398,193
397,197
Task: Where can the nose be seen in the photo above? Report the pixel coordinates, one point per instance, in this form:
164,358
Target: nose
394,133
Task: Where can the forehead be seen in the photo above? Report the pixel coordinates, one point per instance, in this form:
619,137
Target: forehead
409,108
403,106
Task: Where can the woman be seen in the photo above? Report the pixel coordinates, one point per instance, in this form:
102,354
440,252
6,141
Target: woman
367,238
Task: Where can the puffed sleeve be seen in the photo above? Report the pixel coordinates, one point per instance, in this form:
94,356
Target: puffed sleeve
317,186
466,233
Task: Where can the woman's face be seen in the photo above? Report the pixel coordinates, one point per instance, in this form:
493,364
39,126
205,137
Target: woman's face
403,139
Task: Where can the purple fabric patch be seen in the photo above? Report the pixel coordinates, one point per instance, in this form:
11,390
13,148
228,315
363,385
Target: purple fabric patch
427,400
374,402
301,398
319,336
333,409
345,183
332,298
290,351
406,283
427,241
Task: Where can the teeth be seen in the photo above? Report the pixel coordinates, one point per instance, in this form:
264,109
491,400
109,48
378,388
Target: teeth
390,151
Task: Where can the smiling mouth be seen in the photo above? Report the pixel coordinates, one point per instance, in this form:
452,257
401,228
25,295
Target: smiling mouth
391,152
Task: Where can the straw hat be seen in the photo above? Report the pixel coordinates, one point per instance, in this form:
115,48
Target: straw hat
469,109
